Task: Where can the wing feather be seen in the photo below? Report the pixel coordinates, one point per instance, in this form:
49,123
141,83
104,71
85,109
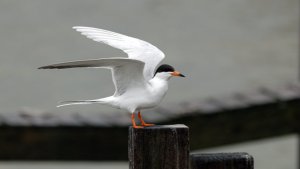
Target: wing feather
135,48
126,73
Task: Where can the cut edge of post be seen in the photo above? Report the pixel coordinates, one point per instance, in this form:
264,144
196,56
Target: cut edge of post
162,127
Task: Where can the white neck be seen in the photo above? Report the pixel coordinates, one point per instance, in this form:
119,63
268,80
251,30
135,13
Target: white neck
163,76
159,84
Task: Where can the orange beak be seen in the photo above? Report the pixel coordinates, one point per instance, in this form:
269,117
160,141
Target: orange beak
176,73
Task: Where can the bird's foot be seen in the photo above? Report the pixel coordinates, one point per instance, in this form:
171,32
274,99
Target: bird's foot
143,122
147,124
134,124
138,127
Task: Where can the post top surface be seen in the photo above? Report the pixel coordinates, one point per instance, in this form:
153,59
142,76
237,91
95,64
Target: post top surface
172,126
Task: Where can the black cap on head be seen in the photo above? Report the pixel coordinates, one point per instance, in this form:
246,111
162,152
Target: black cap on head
165,68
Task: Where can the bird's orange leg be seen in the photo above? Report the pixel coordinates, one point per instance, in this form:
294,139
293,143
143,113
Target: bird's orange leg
133,122
142,121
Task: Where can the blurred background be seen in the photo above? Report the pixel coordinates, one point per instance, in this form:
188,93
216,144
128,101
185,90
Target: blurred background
225,48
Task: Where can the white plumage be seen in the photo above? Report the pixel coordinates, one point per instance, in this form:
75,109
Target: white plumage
136,87
135,48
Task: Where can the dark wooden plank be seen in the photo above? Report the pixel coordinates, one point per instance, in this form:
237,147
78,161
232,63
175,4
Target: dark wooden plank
159,147
110,143
221,161
262,121
63,143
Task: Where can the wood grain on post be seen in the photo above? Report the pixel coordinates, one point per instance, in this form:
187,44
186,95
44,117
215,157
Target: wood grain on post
221,161
159,147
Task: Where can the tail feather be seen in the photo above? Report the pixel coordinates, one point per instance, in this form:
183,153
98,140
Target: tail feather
75,102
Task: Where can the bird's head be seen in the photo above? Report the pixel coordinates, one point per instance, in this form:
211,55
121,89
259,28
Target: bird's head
166,72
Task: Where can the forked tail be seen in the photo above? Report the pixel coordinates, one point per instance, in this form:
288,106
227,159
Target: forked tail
76,102
67,103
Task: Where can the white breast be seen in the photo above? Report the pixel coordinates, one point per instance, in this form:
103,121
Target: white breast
144,98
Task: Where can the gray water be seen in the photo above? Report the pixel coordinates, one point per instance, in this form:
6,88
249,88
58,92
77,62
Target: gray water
222,46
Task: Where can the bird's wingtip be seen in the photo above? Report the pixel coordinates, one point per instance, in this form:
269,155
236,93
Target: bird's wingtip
43,67
47,67
79,27
76,27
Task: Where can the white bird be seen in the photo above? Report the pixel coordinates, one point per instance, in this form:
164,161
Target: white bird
139,84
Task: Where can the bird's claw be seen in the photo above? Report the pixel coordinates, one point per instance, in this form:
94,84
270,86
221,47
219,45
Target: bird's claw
147,124
138,127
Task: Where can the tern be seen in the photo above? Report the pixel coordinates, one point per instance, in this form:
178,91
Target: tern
140,83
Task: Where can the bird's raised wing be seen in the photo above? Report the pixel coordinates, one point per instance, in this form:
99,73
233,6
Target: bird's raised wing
126,73
135,48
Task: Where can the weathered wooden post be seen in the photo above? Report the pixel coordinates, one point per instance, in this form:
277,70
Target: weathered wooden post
221,161
159,147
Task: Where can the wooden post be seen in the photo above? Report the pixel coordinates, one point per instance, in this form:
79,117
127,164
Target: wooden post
159,147
221,161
